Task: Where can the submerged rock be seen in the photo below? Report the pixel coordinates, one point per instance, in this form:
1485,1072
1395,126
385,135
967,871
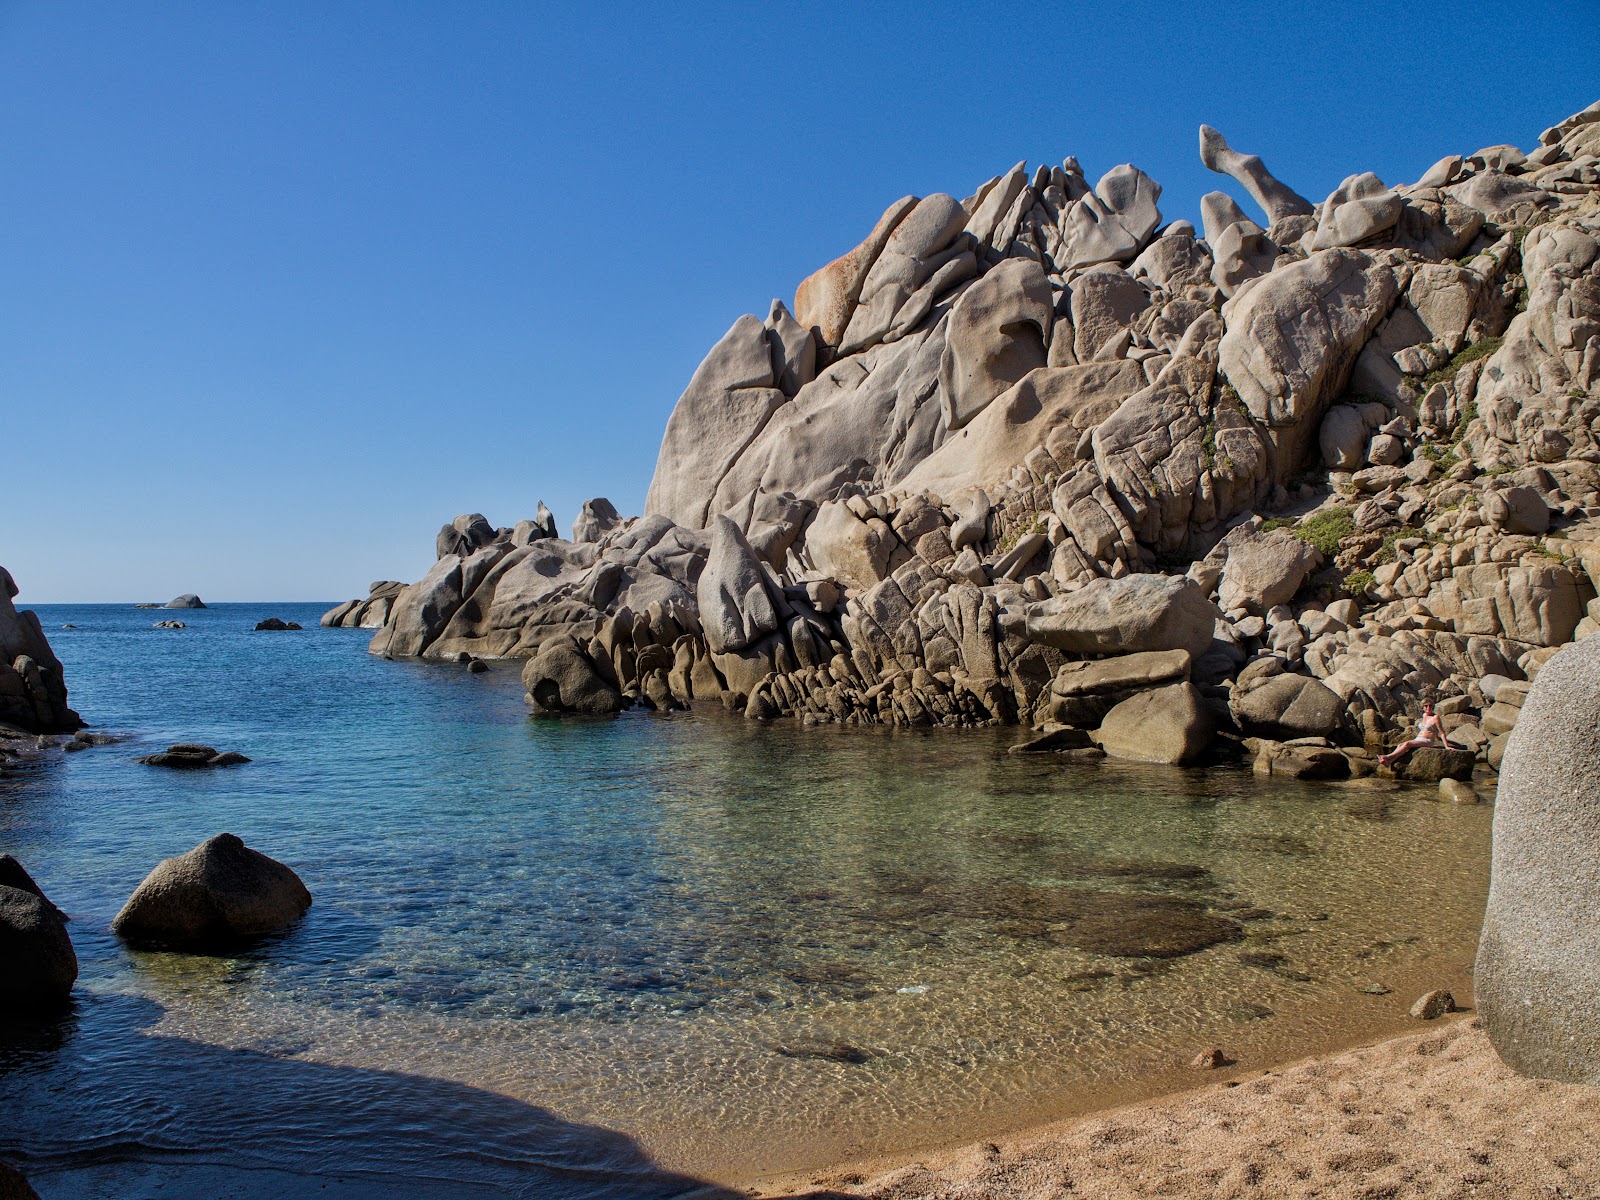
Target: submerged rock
189,755
219,893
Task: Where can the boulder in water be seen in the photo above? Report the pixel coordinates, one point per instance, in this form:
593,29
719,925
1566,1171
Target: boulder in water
220,892
40,964
276,625
187,600
188,755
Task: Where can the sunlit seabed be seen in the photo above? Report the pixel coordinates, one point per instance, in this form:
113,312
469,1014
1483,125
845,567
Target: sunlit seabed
749,947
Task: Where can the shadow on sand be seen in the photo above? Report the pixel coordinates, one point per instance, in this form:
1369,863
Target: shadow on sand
92,1105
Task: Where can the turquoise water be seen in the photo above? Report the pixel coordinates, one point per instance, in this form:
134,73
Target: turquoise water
566,957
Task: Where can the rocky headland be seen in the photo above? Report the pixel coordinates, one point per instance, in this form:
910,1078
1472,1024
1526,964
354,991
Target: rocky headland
1035,456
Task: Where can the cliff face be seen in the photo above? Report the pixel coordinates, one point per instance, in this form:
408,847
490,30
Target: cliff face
33,690
882,504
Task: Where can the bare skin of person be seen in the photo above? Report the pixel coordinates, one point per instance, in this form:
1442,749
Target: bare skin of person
1429,733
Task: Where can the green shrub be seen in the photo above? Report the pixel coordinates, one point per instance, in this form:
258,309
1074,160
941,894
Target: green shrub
1326,529
1358,582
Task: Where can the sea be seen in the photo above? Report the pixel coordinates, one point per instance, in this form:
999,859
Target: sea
660,954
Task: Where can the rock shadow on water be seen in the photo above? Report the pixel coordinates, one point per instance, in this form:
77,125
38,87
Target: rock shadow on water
94,1104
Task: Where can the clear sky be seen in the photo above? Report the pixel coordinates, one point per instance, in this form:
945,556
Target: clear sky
287,285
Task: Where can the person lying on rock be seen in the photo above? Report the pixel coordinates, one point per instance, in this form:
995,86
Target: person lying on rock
1429,733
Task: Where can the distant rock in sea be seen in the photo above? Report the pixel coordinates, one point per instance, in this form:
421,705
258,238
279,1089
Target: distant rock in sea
276,624
187,600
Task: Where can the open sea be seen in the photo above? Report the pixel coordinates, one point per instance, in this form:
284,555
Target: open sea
646,955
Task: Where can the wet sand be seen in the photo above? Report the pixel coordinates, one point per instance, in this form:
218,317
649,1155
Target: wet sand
1429,1114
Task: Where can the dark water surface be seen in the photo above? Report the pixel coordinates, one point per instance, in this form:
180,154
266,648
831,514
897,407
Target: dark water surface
548,955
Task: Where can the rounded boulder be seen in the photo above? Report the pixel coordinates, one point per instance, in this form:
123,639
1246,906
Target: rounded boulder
220,892
1537,980
40,964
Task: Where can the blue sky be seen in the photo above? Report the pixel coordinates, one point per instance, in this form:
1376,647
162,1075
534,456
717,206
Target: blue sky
286,286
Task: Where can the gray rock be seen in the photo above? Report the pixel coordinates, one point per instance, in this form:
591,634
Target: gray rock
1343,437
1276,199
825,300
736,605
1280,761
1517,510
1537,981
33,690
466,534
562,677
217,894
1166,725
40,966
999,329
277,625
597,518
1293,338
1430,1006
170,625
187,600
1429,764
1120,616
1360,208
1289,706
1457,791
191,755
923,244
1262,570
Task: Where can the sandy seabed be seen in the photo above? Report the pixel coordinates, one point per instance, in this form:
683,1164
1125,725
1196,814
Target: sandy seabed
1432,1114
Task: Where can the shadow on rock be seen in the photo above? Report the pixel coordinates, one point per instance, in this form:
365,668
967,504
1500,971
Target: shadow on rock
96,1105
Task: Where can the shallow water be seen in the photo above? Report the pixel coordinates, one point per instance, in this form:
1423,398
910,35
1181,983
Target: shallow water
745,947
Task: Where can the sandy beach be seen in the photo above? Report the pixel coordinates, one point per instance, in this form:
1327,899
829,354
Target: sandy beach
1430,1114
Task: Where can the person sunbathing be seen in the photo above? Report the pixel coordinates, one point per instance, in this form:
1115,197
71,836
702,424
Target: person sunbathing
1429,733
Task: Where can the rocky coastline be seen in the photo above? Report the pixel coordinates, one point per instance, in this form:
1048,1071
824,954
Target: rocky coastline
33,687
1036,457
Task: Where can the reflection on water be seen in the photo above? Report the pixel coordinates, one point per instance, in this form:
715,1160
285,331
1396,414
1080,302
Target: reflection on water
749,946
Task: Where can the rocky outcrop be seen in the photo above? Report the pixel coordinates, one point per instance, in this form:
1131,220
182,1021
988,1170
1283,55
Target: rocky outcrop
192,756
187,600
370,613
220,893
33,689
1008,448
1537,981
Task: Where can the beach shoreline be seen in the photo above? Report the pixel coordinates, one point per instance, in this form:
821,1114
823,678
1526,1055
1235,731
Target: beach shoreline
1433,1112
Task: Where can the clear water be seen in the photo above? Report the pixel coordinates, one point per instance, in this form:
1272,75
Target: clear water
564,957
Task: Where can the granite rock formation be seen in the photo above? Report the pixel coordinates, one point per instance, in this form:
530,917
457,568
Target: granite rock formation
33,689
1353,443
1537,981
217,894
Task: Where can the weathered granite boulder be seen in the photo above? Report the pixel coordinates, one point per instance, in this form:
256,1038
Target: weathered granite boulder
40,966
1276,199
1537,981
1280,760
563,678
1429,764
277,625
13,874
370,613
1360,208
220,893
1288,706
999,329
597,518
1261,570
1517,510
1119,616
187,600
33,689
1083,692
1166,725
736,604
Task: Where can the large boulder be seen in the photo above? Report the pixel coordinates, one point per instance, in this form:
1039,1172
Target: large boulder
597,518
1084,691
187,600
563,678
1293,338
1430,764
736,608
1120,616
1288,706
825,299
220,893
1262,570
1166,725
40,966
33,689
1537,980
1360,208
999,329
